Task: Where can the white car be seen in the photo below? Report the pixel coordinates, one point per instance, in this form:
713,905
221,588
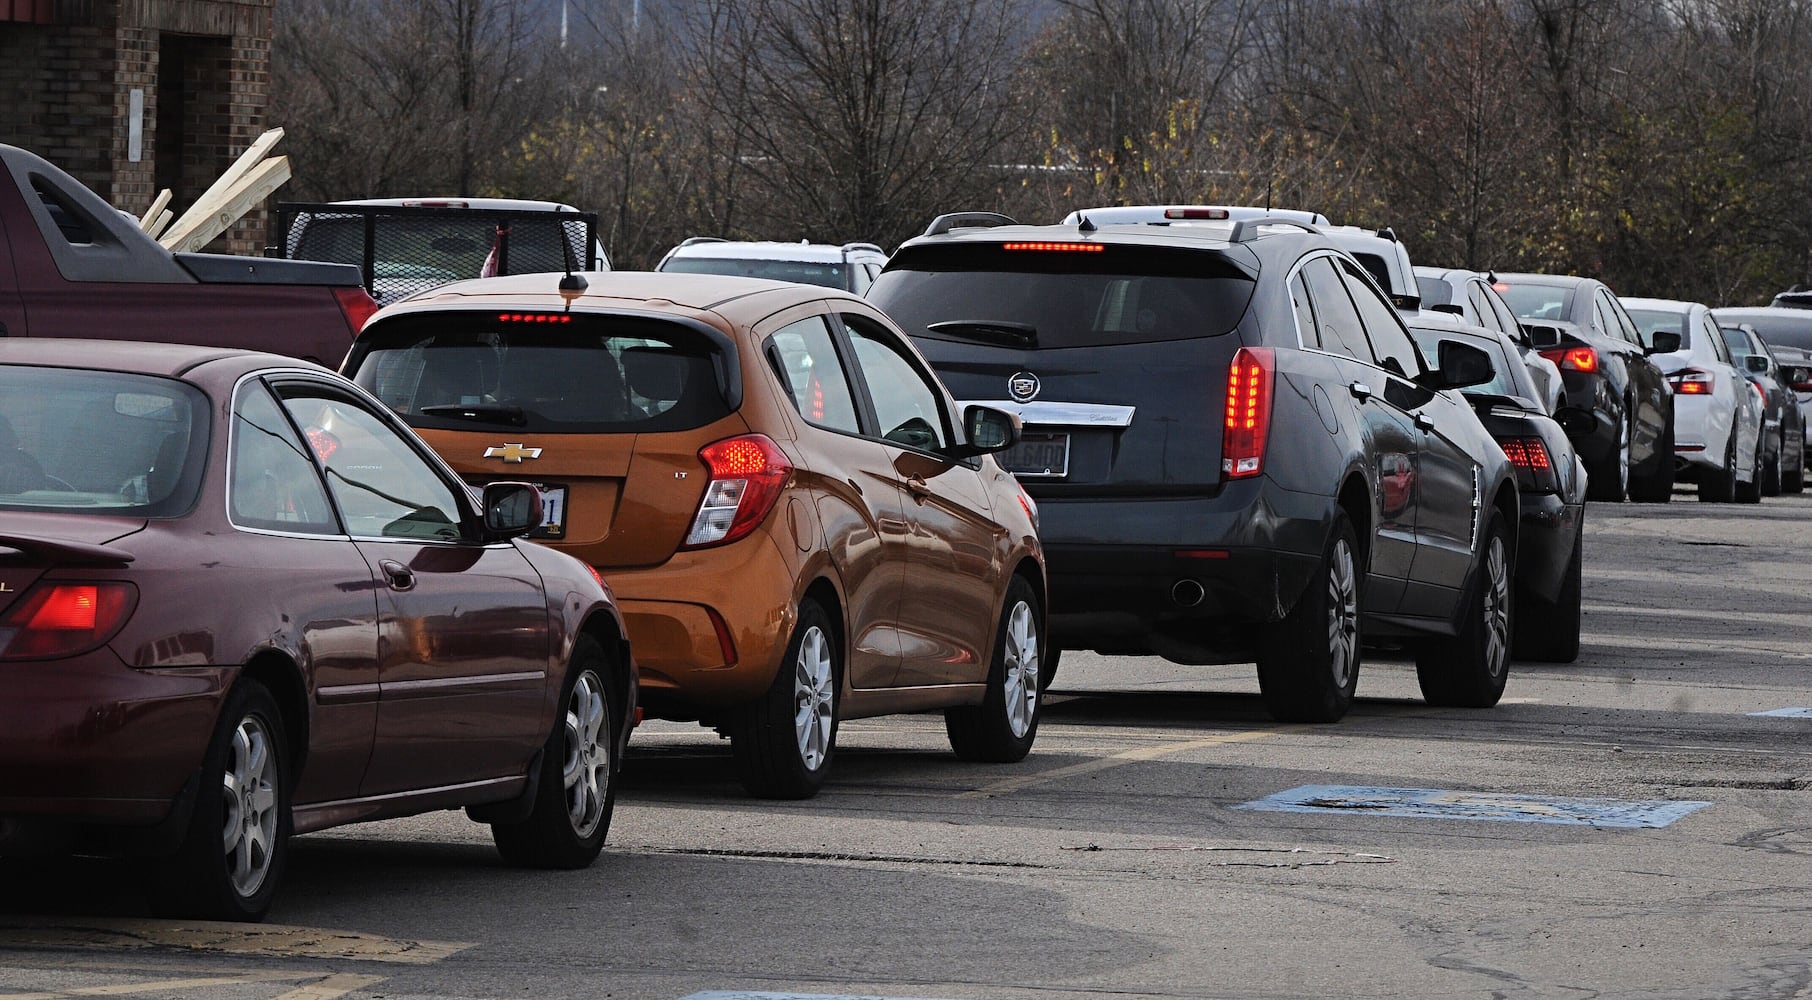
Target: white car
851,267
1717,413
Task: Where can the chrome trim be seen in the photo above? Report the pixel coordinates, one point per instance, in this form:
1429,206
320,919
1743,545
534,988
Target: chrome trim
1049,413
442,685
337,694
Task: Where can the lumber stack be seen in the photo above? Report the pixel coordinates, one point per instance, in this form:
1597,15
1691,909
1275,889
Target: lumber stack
252,178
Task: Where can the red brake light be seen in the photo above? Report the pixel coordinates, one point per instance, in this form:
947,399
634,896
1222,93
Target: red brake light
1057,247
1579,359
1027,504
1248,420
534,318
1760,393
1195,213
747,474
1534,468
323,442
1692,382
62,619
356,306
436,203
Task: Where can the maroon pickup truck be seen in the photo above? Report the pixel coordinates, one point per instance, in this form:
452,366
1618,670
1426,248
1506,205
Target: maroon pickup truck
71,265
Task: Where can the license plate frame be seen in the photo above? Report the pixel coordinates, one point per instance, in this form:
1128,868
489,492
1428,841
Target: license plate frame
1031,457
553,510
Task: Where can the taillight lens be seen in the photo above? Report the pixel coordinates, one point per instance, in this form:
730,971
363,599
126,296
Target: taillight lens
1248,420
1534,467
63,619
747,475
1027,504
356,305
1579,359
1692,382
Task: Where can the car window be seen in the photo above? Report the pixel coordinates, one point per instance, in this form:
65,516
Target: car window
1482,313
859,279
1390,345
1709,332
1630,333
1505,315
1652,321
272,484
803,272
805,358
1738,342
1306,332
1606,321
1336,319
1537,301
905,400
1434,291
383,486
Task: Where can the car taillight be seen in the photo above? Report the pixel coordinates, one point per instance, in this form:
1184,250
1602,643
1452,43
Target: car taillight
747,474
1027,504
1045,247
1760,393
1534,469
1248,412
1579,359
63,619
356,305
1196,213
1692,382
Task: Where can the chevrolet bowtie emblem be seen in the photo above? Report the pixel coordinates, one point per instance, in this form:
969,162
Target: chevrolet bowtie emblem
512,454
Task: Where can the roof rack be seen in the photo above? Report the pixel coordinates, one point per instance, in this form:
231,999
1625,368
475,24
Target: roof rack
863,246
691,240
966,220
1247,229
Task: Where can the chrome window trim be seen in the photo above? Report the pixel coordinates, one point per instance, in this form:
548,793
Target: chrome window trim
1053,413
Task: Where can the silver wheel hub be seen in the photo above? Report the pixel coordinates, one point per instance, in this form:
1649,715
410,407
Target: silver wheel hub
249,798
585,764
814,695
1497,608
1343,613
1021,670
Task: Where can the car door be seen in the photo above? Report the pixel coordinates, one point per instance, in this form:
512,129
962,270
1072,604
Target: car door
318,578
464,634
1387,436
851,481
953,577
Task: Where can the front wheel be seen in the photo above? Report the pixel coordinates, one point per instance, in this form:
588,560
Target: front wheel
1469,669
233,856
1308,663
1001,729
783,742
576,791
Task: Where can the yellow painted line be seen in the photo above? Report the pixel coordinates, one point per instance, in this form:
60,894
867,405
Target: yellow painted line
1120,759
269,940
331,988
161,985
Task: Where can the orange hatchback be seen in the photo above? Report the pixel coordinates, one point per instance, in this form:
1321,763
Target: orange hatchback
800,526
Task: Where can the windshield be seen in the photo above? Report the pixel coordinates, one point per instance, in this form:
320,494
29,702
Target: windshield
1653,321
1044,300
1537,301
99,442
802,272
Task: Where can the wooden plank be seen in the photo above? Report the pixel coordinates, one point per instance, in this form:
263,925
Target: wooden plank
217,191
157,208
160,223
254,187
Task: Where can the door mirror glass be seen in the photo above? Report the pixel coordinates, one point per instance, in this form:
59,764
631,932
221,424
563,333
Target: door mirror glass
988,429
1461,365
511,509
1756,363
1666,342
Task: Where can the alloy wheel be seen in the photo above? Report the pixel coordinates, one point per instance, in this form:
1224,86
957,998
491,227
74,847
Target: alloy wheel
1021,666
249,797
813,694
585,770
1343,613
1497,608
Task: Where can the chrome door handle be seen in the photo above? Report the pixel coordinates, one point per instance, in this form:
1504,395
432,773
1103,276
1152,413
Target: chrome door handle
398,576
1425,421
916,486
1360,391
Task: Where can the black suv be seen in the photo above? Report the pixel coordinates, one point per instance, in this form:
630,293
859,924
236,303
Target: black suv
1237,451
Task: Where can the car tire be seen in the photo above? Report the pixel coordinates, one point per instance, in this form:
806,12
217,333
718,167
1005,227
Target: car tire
233,854
576,791
1771,467
1720,486
1001,729
784,741
1793,476
1609,481
1751,491
1048,658
1548,631
1308,663
1470,668
1656,484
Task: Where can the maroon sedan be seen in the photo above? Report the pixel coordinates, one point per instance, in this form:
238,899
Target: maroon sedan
239,600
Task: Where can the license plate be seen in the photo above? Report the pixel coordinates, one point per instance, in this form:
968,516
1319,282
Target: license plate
553,512
1038,455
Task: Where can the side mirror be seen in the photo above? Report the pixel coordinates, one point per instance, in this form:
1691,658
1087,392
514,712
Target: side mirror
1461,365
511,509
1666,342
986,429
1542,337
1755,363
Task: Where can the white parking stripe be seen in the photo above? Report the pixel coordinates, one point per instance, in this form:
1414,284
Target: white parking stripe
1693,614
1784,650
331,988
1132,756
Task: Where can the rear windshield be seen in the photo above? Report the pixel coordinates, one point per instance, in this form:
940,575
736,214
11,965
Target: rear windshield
100,442
1434,292
1794,329
411,252
1653,321
800,271
1538,301
1121,295
587,374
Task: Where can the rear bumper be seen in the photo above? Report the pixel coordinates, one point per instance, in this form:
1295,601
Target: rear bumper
1544,544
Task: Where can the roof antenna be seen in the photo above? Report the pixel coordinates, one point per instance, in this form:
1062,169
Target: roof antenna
1085,226
572,283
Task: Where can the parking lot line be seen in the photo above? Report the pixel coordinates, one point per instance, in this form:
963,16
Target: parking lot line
331,988
1124,757
156,986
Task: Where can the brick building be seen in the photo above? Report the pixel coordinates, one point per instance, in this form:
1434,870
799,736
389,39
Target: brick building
133,96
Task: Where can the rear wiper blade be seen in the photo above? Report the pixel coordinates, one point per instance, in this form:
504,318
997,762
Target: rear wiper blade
1017,334
484,413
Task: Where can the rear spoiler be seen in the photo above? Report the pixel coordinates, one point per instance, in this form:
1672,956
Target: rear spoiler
66,551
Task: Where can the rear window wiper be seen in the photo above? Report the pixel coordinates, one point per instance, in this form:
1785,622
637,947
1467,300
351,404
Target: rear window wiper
1000,331
484,413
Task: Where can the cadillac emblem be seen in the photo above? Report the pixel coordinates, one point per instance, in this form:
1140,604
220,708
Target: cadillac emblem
1023,387
512,454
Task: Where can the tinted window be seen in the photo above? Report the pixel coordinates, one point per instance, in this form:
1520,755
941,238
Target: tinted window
382,485
1434,291
805,358
1651,321
1305,312
1737,339
905,402
100,443
1537,301
1119,295
274,484
1505,317
1607,320
799,271
1335,318
1390,345
1787,327
1709,331
1482,313
587,373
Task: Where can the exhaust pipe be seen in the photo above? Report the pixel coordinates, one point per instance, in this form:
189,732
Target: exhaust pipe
1188,593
